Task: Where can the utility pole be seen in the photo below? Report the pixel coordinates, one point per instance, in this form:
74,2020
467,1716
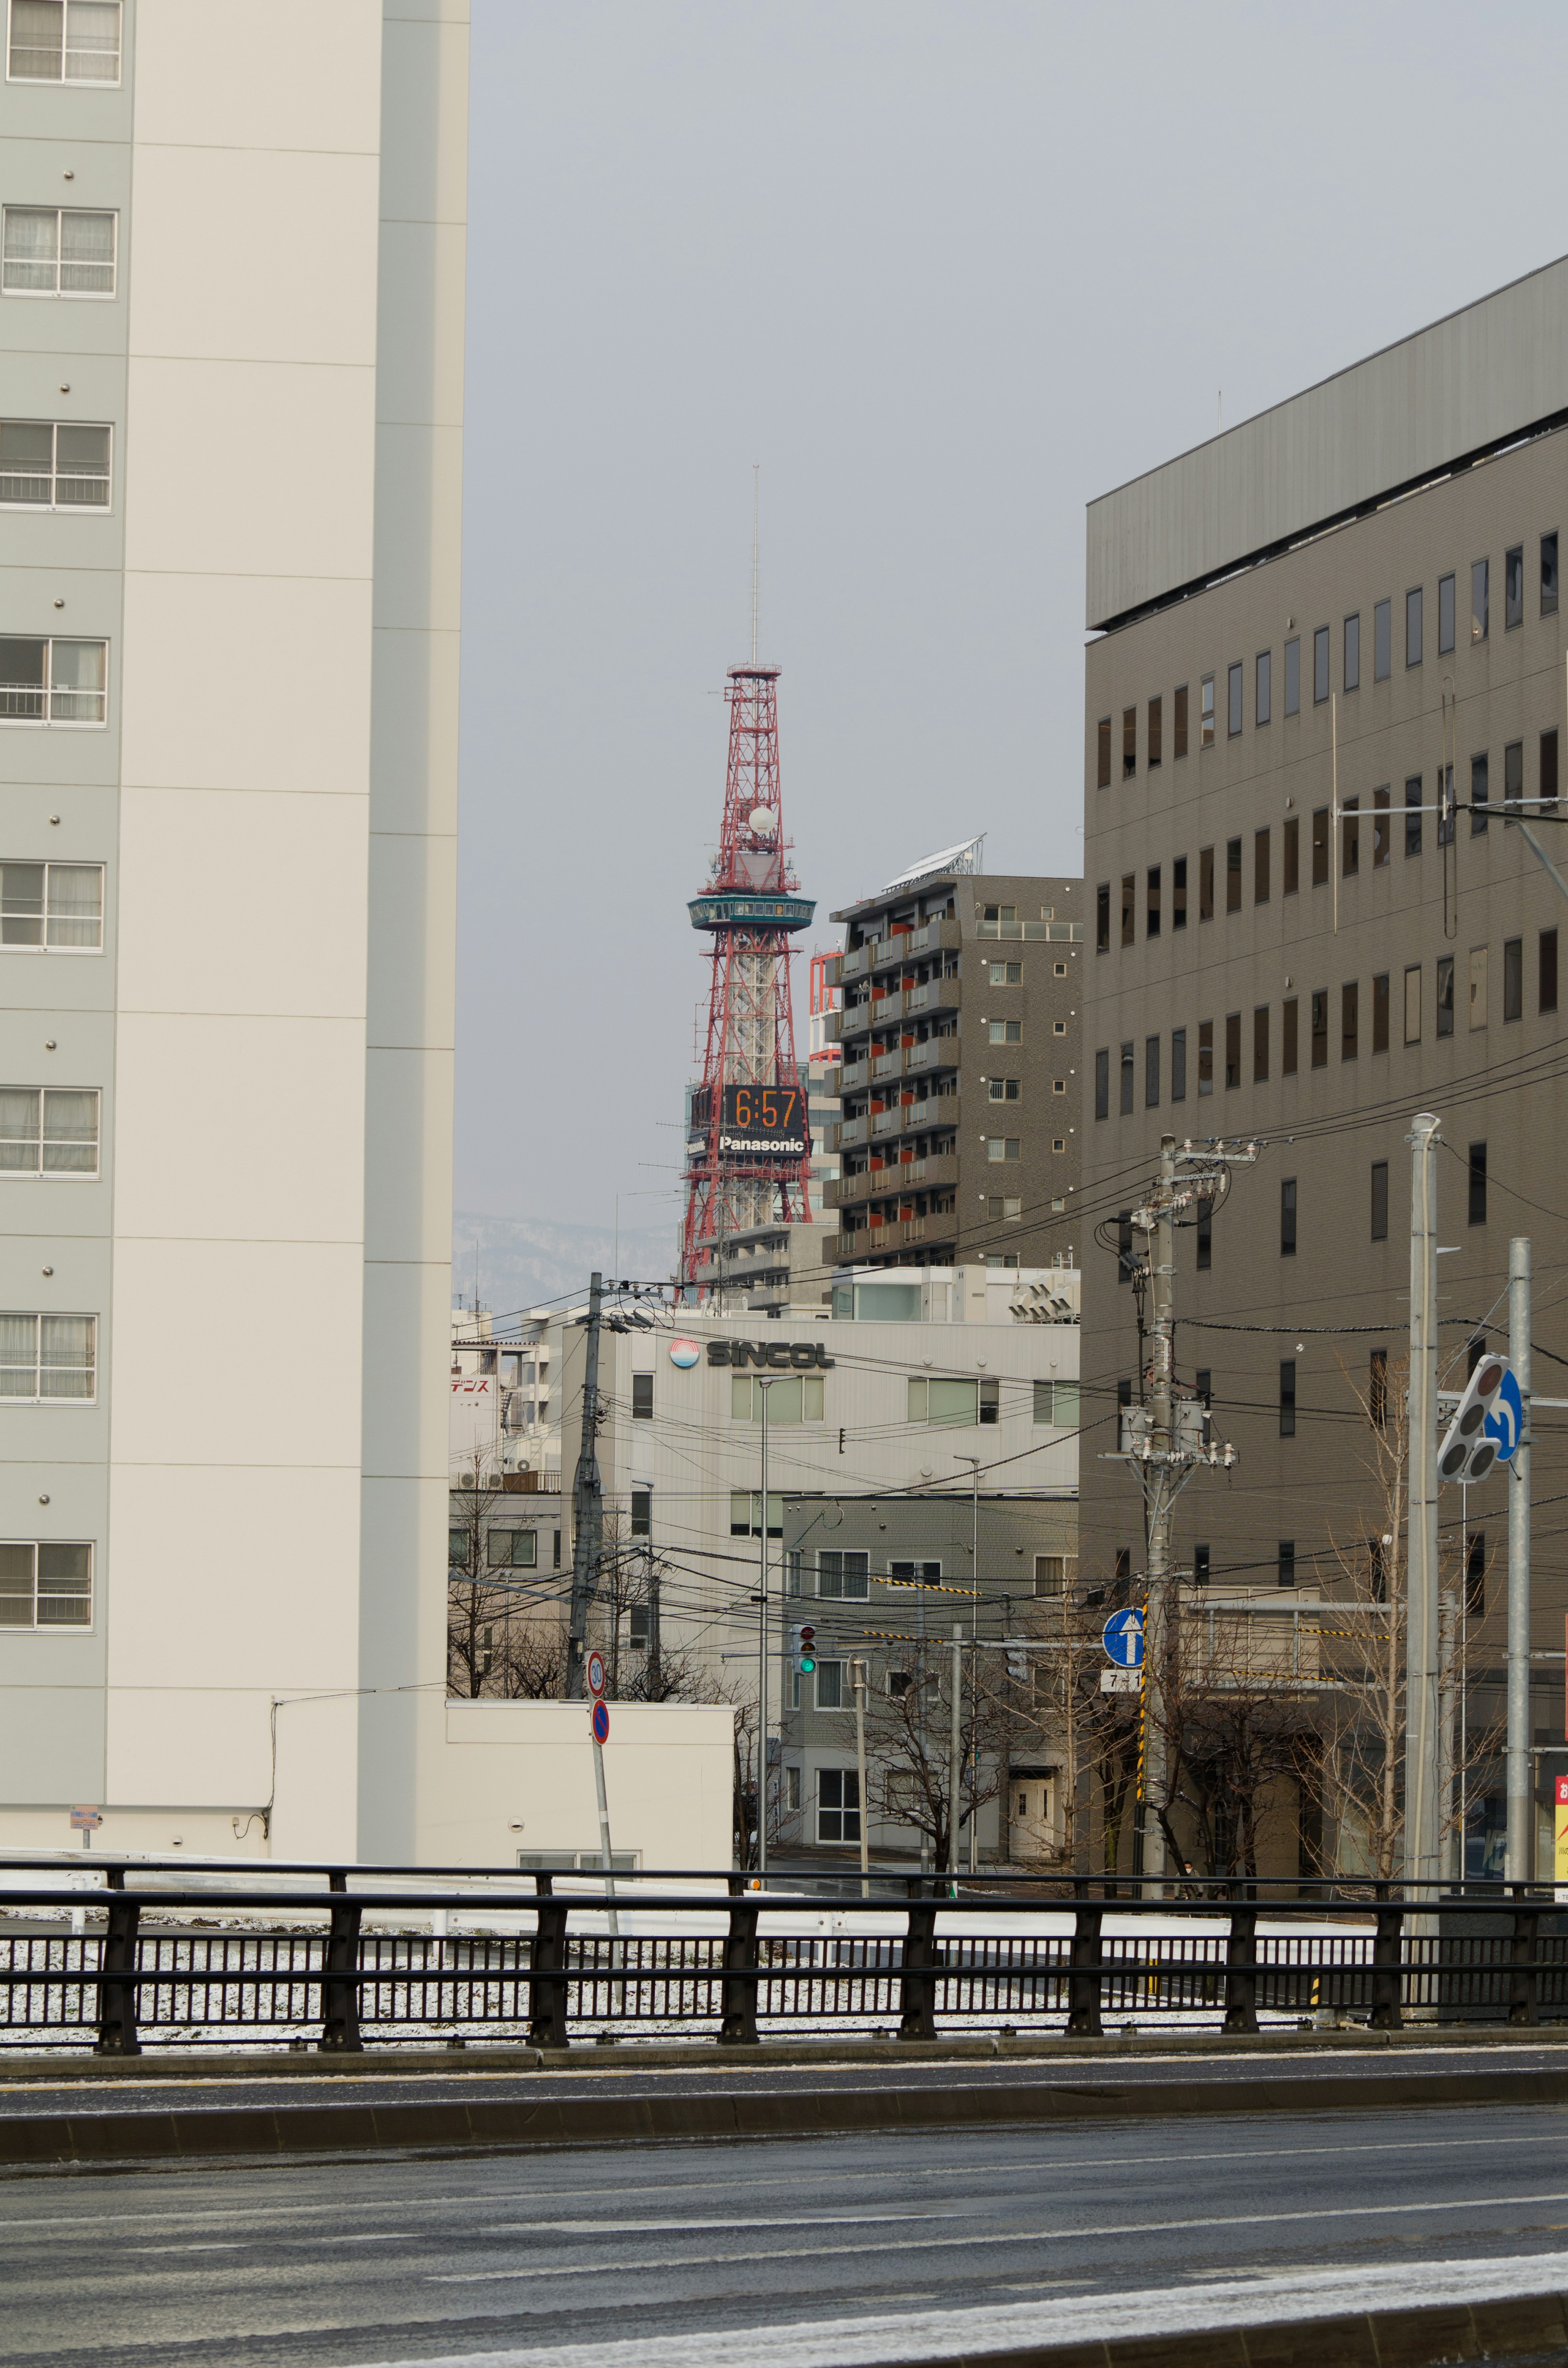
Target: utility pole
587,1503
955,1751
1164,1441
858,1685
973,1461
1421,1652
1517,1851
764,1385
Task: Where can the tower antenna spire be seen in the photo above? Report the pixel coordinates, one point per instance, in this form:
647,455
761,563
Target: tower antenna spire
755,500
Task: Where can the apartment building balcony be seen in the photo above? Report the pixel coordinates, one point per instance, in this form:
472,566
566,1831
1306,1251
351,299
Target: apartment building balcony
843,1134
887,1010
853,1075
936,1174
890,1241
1047,933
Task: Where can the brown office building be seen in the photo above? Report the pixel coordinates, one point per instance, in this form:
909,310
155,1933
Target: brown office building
1311,630
962,1127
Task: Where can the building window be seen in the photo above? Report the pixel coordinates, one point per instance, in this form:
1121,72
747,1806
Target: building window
457,1549
1005,1032
1445,615
1260,865
1548,767
745,1514
1129,907
1102,1082
1155,722
1126,1264
1151,1073
1287,1565
1413,815
1151,903
1288,1217
1378,1396
1200,1565
1178,721
1102,776
1413,1004
1479,599
830,1696
46,1584
1380,1012
1475,1575
1412,627
1479,794
1320,1027
1320,666
1205,1231
1287,1044
1548,575
64,40
1232,875
1290,857
844,1575
1127,1081
1205,884
1263,688
1546,972
1205,712
1233,701
512,1549
1178,893
48,1131
1444,995
1012,973
1512,587
642,1397
1513,978
1293,677
1445,803
1233,1051
1008,1207
1129,743
57,251
793,1397
1102,928
1351,824
953,1404
838,1789
44,679
1379,1200
1382,641
1287,1398
1353,653
45,1357
1178,1064
642,1513
1349,1019
1478,1183
1049,1573
1003,1090
1319,847
1260,1045
1205,1056
50,465
1477,987
1056,1406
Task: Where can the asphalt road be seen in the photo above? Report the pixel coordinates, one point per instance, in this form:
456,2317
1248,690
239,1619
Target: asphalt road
212,2086
804,2253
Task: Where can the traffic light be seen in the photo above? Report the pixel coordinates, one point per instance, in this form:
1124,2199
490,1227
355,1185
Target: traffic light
1467,1454
803,1649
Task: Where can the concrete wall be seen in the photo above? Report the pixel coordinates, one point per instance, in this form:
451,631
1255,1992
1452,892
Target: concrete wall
519,1777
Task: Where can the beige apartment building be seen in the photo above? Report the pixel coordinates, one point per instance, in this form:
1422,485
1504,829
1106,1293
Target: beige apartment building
1311,630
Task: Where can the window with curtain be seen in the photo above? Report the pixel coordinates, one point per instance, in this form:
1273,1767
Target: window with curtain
1056,1404
792,1398
48,1131
57,251
48,464
64,40
45,1357
50,680
52,907
46,1584
844,1574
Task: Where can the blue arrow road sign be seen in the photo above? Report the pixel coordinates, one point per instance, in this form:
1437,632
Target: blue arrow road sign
1123,1635
1506,1418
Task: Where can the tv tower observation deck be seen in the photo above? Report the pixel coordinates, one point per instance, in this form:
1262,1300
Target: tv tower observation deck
748,1145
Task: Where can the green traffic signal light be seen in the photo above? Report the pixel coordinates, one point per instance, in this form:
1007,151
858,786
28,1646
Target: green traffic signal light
808,1663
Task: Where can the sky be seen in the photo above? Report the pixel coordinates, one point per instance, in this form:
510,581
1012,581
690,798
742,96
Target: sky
945,272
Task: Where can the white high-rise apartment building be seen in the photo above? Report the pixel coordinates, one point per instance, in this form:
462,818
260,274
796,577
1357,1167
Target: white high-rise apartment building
231,419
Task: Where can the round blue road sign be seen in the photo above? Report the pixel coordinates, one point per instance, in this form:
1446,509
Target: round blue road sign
1123,1637
601,1722
1506,1418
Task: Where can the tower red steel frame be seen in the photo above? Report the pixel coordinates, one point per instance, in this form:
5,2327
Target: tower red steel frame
751,911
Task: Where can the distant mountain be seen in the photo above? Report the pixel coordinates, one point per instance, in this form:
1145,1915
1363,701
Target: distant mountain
525,1261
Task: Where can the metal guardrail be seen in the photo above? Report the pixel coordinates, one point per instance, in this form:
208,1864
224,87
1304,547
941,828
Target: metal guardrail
1386,1957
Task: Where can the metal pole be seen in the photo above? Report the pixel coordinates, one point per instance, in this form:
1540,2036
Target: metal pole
761,1661
1519,1853
605,1859
1421,1864
973,1462
1161,1501
955,1753
858,1680
1447,1651
587,1504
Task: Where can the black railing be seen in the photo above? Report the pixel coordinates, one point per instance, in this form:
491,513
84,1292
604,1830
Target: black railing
699,1962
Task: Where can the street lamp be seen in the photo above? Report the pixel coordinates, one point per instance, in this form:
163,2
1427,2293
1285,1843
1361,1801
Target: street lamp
973,1461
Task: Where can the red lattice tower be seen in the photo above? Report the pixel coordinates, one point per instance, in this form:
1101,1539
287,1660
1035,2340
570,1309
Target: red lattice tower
751,912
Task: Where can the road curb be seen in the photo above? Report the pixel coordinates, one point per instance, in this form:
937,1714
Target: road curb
202,2134
1418,2337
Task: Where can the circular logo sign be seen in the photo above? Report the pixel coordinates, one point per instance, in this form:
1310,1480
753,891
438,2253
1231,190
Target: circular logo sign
685,1353
595,1674
601,1722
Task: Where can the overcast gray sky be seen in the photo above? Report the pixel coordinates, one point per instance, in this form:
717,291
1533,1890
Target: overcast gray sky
946,271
